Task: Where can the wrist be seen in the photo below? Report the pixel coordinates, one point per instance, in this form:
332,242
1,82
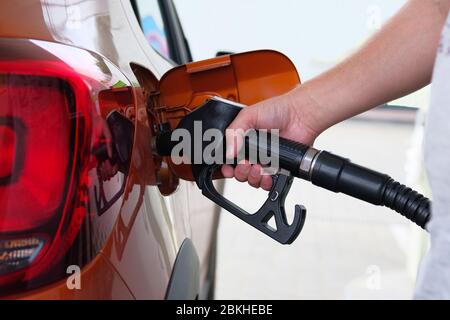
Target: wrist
309,110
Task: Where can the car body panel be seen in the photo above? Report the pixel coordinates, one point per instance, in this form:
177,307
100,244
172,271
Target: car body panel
140,251
150,228
99,281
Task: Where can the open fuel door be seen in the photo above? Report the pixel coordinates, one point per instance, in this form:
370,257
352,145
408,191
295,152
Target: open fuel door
246,78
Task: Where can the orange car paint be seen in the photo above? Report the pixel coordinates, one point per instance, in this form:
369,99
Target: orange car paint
138,257
140,253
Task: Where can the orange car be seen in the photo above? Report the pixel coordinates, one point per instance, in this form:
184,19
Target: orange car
88,210
82,212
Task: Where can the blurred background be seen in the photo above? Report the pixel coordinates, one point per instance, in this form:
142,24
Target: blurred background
348,249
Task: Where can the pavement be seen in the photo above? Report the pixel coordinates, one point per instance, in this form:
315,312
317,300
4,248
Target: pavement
347,250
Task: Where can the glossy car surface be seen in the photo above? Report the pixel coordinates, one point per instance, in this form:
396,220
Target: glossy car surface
129,241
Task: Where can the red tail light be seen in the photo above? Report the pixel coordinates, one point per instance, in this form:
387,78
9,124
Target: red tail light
44,117
36,134
8,145
55,208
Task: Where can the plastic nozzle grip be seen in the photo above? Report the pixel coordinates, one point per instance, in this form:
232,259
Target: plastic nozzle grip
288,153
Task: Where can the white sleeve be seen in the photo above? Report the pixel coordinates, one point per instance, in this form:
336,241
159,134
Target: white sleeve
434,276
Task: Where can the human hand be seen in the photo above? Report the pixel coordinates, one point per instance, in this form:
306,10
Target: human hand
288,113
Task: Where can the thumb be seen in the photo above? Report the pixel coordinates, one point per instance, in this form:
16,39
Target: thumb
235,133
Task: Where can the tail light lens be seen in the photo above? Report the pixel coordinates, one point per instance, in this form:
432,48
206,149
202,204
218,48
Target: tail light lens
16,254
8,145
44,120
50,124
35,137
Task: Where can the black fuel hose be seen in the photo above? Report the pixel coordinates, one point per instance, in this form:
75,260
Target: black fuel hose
340,175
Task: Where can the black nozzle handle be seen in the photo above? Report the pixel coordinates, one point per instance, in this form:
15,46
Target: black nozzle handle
264,148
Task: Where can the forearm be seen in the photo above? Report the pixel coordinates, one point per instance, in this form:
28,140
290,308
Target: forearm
396,61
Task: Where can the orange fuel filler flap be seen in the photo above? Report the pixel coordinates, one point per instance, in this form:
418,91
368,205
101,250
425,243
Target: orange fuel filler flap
246,78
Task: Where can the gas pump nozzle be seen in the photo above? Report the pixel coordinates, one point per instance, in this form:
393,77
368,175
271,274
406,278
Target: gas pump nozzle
294,159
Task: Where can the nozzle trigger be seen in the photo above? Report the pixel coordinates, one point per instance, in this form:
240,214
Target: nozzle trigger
284,232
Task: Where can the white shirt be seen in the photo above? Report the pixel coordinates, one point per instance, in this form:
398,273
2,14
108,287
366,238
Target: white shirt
434,275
